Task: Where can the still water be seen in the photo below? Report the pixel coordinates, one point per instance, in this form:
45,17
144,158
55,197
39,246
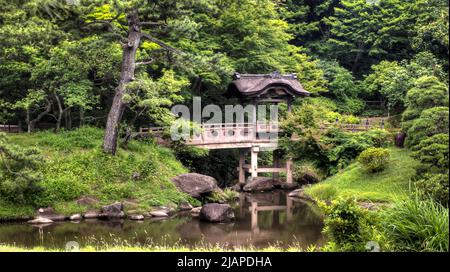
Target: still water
274,220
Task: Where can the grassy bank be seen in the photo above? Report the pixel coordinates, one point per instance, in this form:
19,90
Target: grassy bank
353,181
211,248
75,166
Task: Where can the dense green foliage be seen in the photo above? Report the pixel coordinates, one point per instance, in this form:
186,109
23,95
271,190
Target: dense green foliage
64,62
374,159
345,226
18,176
417,225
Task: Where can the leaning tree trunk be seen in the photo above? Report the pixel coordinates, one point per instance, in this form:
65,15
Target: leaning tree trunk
32,123
60,112
126,75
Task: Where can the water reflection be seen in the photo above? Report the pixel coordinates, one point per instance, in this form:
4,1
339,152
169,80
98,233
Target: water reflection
262,219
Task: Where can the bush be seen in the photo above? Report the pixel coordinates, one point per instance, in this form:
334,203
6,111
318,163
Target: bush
18,175
374,159
428,92
434,186
378,137
433,154
417,225
306,172
323,191
226,195
349,119
345,226
431,122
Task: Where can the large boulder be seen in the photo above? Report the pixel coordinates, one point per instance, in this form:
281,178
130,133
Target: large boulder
258,184
216,213
196,185
113,210
287,186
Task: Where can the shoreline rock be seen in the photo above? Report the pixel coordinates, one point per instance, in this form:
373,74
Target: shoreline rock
49,213
196,185
40,220
259,184
217,213
91,215
76,217
184,206
159,214
136,217
300,193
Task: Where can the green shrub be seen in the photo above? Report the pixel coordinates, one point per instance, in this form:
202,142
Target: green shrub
417,225
323,191
374,159
345,226
433,154
306,172
378,137
349,119
428,92
18,176
431,122
226,195
434,186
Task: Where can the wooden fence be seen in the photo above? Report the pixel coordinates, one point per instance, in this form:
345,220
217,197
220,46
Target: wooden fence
9,128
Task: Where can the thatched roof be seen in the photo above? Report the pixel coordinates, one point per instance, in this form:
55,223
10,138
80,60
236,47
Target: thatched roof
250,85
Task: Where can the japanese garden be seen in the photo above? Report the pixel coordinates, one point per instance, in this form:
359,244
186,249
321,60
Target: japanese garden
224,125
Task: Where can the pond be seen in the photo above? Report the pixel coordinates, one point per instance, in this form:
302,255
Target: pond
279,220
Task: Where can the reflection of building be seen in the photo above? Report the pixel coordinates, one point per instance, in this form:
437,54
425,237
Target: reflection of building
278,220
255,208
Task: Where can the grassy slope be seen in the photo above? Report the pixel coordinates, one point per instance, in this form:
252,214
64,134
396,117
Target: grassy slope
353,181
75,166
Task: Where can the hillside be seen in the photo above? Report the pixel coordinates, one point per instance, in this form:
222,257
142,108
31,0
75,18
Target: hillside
74,166
353,181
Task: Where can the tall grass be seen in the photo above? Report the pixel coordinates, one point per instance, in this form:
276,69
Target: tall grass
417,225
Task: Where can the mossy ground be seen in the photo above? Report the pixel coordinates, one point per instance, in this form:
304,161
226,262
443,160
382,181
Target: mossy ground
75,166
386,186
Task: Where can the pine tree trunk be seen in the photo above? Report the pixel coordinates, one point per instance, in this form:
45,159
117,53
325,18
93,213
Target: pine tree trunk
126,75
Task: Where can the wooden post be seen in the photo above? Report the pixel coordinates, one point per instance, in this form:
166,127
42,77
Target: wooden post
289,209
254,161
289,170
289,104
276,164
254,217
241,166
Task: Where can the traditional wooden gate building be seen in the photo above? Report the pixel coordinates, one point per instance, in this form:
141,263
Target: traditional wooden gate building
254,136
251,138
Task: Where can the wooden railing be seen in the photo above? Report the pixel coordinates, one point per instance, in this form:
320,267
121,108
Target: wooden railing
352,127
223,133
9,128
